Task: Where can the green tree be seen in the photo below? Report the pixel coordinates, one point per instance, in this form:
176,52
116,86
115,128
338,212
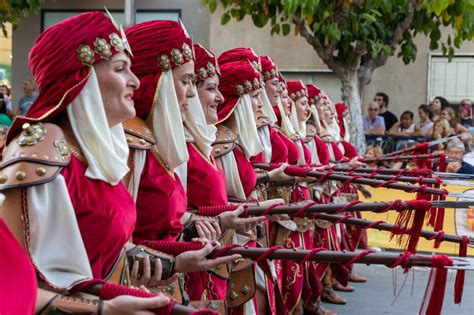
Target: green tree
355,37
12,11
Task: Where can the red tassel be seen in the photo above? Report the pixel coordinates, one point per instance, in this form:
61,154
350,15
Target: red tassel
436,285
172,247
460,274
421,148
410,222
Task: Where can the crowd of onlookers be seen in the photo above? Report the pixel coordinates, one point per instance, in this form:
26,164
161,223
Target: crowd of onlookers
437,121
6,107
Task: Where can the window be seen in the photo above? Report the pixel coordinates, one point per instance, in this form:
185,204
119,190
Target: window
324,80
453,80
51,17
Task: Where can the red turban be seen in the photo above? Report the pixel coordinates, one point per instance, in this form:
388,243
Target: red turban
61,60
237,79
206,64
282,80
296,89
314,93
240,54
269,68
158,46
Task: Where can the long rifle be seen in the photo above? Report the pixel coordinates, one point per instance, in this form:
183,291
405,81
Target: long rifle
329,175
311,209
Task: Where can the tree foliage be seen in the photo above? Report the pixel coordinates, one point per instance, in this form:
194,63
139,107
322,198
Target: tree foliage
354,37
350,31
11,11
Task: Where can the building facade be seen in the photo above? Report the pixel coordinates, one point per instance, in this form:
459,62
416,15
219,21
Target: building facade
407,86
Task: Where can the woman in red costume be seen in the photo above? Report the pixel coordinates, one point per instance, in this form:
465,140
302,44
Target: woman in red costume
300,288
274,149
343,117
19,287
160,171
206,182
61,174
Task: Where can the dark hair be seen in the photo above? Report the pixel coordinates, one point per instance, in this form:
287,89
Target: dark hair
6,87
3,106
384,96
409,113
426,109
444,102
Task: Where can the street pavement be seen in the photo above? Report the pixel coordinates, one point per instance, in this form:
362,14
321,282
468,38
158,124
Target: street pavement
376,295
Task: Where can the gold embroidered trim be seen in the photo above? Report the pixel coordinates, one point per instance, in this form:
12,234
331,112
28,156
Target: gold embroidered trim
77,153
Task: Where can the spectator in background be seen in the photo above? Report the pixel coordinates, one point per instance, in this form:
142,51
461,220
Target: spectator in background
29,89
406,126
373,152
5,120
389,118
425,123
373,123
5,90
439,103
441,129
465,113
455,154
450,115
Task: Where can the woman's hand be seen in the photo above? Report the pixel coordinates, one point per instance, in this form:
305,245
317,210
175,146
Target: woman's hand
131,305
208,230
192,261
231,220
147,279
279,174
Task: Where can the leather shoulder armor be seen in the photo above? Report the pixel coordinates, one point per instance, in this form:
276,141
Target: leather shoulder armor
225,141
35,156
262,121
139,136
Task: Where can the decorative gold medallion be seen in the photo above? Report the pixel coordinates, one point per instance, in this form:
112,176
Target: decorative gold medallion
248,86
177,56
240,89
31,134
62,149
164,62
85,55
256,83
188,53
102,48
116,42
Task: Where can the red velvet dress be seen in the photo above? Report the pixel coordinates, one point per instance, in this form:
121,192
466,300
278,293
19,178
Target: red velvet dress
206,187
105,214
279,149
206,181
293,151
298,283
323,151
350,151
248,178
161,202
18,287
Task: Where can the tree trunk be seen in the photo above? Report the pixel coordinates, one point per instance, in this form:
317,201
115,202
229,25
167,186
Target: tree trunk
351,95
